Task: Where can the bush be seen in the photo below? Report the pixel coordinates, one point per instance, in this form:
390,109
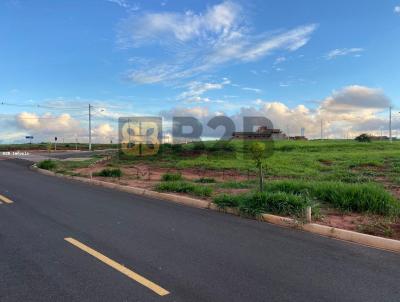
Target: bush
205,180
184,187
265,202
363,138
177,148
47,164
109,173
362,197
171,177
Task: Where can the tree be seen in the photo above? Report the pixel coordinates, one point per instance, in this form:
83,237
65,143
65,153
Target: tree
363,138
257,151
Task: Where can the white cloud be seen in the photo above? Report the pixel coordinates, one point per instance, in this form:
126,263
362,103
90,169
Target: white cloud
196,89
104,132
279,60
352,109
256,90
196,43
355,98
343,52
397,9
47,124
126,5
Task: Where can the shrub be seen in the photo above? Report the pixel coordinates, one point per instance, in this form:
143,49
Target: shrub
205,180
177,148
109,173
363,138
47,164
184,187
171,177
199,146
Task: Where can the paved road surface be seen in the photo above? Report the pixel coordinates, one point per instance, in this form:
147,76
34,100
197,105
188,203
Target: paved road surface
37,156
195,255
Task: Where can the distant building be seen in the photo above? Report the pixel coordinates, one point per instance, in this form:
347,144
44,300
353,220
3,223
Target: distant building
262,133
378,138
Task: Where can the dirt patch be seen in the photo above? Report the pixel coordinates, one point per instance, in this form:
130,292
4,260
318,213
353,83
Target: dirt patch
363,223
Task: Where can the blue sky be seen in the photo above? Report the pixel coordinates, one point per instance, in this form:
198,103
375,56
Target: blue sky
297,61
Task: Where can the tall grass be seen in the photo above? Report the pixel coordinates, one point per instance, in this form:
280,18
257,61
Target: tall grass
265,202
363,197
171,177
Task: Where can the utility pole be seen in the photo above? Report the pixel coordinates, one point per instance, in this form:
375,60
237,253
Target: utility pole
390,124
90,127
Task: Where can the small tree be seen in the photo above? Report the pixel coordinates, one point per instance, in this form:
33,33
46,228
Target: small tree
257,151
363,138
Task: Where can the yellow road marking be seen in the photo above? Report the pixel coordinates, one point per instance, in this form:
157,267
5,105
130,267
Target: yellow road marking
5,199
122,269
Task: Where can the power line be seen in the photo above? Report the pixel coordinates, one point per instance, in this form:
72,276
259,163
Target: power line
40,106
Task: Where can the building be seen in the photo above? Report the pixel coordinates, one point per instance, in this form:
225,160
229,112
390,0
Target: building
262,133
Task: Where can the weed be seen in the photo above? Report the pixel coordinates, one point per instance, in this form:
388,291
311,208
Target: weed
109,173
205,180
184,187
171,177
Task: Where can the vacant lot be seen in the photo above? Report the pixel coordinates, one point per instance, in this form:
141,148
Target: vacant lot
349,184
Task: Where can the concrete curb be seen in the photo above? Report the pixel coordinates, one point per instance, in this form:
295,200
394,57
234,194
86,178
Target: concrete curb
346,235
196,203
359,238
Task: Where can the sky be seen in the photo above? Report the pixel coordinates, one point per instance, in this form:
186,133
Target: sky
296,62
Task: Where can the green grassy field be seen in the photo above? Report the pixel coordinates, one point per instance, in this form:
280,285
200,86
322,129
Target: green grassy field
338,160
345,175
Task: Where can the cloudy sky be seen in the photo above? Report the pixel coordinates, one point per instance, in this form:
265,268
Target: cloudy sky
295,62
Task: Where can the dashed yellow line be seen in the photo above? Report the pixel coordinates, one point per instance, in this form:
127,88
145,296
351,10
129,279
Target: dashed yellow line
122,269
5,199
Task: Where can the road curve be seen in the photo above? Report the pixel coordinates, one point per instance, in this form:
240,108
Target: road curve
191,254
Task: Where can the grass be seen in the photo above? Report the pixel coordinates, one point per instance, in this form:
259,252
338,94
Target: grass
362,197
237,185
47,164
326,160
205,180
171,177
184,187
109,173
280,203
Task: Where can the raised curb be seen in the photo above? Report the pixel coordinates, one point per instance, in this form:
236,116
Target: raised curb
346,235
327,231
197,203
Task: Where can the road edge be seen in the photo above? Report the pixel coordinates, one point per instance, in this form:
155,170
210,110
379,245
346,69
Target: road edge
326,231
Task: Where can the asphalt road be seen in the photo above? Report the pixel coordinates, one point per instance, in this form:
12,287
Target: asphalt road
196,255
35,156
